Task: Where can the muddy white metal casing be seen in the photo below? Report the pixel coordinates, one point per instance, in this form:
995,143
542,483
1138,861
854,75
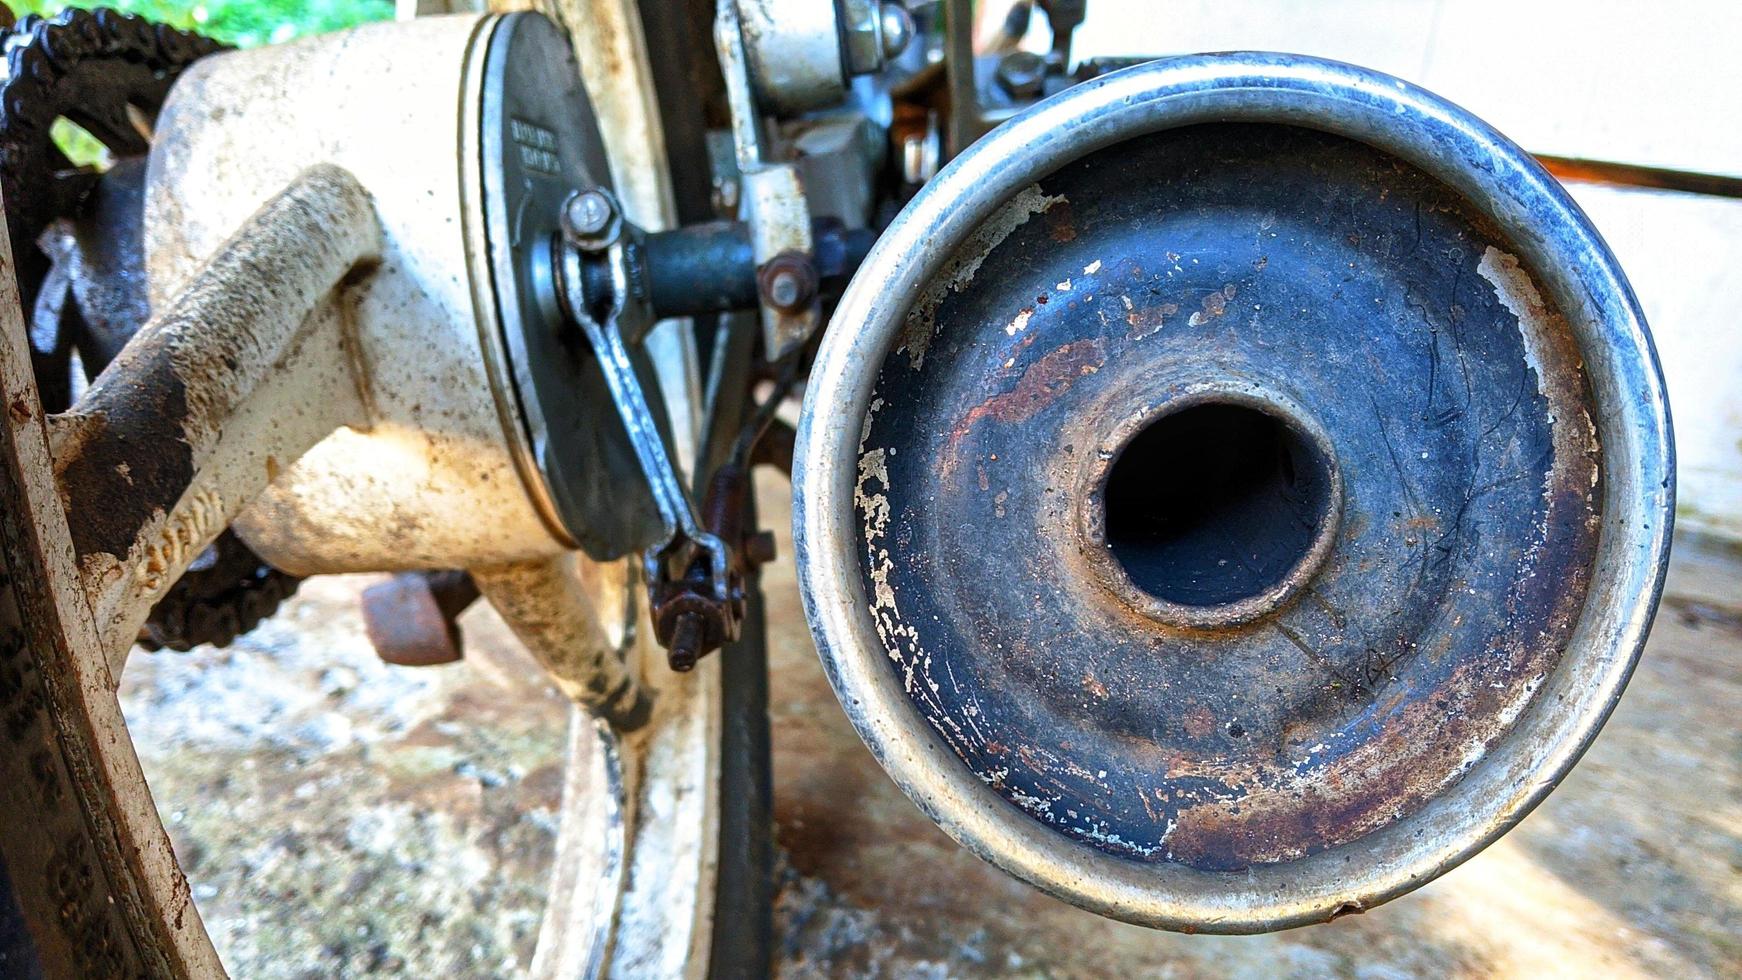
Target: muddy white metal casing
437,467
850,539
436,473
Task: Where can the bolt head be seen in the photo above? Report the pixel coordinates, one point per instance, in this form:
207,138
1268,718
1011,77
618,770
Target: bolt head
897,29
783,288
589,215
1022,73
787,282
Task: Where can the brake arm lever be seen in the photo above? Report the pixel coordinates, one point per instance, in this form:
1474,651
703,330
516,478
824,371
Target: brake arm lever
695,589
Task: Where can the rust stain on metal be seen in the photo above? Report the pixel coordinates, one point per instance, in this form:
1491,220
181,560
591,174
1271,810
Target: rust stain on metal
1094,686
1215,304
1148,319
1050,376
1060,224
141,429
194,522
1200,722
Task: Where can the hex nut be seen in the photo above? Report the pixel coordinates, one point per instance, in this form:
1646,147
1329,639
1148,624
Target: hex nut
1022,74
590,218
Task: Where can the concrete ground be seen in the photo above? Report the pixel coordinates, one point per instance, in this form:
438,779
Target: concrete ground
339,817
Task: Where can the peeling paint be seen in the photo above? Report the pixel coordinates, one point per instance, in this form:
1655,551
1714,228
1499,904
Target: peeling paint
1575,433
959,270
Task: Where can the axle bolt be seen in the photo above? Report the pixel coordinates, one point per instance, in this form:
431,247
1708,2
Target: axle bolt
590,218
783,288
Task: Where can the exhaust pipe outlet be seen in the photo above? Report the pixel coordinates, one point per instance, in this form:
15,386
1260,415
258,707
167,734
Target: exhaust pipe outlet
1234,492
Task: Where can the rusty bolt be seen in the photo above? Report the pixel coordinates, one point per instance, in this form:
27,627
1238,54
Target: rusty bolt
759,548
788,282
590,218
411,619
783,289
690,625
686,642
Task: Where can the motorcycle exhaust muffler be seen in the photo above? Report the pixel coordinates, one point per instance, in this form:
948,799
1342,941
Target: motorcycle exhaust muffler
1234,492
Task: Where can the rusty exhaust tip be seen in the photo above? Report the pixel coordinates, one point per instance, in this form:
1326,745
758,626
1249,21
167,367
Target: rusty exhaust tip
1235,586
1201,536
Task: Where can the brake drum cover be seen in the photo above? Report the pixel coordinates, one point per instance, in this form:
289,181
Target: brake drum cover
1234,492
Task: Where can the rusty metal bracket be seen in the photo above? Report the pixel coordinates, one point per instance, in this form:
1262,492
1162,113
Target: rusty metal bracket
412,618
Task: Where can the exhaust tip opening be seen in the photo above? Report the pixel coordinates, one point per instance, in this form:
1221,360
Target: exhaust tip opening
1219,510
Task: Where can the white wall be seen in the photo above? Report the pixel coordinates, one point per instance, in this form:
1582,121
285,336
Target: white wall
1658,84
1683,254
1654,84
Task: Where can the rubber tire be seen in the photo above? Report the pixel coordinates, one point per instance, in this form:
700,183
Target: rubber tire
743,935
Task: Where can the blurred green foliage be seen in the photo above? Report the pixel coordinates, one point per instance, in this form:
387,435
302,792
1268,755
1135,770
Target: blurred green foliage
244,23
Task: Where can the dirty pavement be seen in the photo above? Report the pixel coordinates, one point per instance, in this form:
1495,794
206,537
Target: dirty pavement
341,817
